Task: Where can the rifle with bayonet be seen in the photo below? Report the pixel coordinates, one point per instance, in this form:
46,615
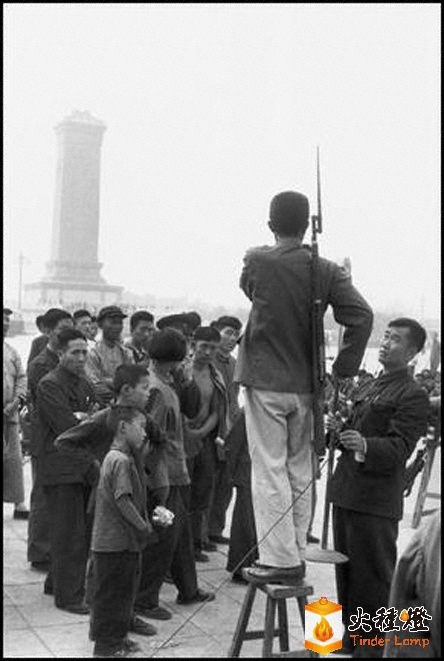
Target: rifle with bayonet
317,322
322,554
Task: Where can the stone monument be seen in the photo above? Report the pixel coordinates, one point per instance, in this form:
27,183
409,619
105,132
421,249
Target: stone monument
73,272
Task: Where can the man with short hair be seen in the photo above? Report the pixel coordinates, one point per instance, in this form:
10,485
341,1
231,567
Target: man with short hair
82,321
65,396
39,342
229,329
387,419
274,364
56,320
93,330
203,429
142,330
107,354
14,395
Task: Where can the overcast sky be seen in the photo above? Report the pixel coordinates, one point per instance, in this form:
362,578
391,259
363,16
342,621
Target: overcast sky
211,110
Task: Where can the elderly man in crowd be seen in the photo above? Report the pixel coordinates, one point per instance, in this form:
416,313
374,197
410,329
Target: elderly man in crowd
14,394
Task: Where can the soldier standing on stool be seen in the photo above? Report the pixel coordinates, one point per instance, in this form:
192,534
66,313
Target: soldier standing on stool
275,366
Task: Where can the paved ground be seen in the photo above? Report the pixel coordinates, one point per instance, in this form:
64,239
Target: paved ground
34,628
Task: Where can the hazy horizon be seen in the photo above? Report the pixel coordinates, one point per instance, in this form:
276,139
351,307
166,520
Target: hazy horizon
210,110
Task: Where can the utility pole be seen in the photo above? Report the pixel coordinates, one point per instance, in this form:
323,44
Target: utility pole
21,262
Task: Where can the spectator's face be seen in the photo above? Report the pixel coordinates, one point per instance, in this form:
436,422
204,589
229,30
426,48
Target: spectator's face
138,396
83,324
93,330
73,358
112,328
142,333
228,339
135,432
396,350
204,351
6,322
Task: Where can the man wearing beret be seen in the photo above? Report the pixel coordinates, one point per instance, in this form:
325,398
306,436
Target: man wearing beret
275,366
107,354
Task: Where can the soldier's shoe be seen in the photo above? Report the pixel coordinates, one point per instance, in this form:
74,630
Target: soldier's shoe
281,575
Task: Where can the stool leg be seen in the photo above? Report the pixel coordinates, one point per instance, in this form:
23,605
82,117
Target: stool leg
270,613
283,625
242,623
302,602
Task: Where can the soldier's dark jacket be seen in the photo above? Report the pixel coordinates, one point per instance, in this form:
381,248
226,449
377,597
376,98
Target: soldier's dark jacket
275,352
391,414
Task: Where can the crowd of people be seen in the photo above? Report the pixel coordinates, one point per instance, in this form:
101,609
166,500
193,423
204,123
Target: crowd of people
129,468
137,446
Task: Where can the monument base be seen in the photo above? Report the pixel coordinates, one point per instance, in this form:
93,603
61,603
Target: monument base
47,293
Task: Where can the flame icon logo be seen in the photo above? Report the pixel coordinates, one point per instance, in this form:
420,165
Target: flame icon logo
404,616
323,631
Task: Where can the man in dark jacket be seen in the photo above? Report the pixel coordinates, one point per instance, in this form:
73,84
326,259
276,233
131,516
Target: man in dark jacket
64,396
387,419
275,366
55,320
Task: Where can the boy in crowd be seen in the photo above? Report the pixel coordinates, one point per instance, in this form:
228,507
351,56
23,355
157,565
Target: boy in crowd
174,547
121,530
107,354
90,441
142,329
203,429
184,384
229,329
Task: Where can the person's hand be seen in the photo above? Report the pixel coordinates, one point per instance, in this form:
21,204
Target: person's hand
80,415
163,516
333,422
352,440
147,535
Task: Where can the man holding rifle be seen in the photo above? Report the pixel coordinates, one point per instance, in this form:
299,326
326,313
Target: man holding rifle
275,366
387,419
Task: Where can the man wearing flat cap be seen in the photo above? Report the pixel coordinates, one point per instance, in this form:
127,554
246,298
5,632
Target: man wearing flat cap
107,354
275,366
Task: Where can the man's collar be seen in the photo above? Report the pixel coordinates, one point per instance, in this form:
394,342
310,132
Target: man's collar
295,241
393,376
225,358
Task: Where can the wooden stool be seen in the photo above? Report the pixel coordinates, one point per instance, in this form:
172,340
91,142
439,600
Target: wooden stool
276,598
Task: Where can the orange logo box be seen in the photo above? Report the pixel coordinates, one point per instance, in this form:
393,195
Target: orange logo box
323,626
